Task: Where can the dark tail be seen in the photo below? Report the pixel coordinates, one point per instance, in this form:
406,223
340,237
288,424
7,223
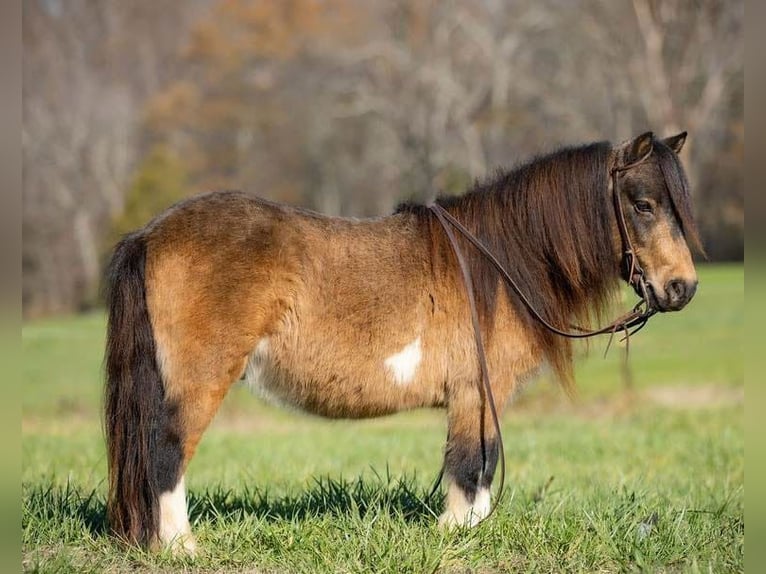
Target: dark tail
144,453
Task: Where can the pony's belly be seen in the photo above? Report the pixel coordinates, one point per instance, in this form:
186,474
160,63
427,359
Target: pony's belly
282,377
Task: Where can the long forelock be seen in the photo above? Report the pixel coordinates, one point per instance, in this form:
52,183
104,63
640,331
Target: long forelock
680,194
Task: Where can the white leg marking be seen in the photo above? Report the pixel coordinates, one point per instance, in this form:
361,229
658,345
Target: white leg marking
175,532
460,512
404,364
482,504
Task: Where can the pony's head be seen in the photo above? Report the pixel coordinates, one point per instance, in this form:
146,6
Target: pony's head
654,194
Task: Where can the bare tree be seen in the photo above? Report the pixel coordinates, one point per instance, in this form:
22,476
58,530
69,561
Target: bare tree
85,78
350,106
481,84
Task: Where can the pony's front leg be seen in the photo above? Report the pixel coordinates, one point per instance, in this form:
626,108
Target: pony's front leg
470,460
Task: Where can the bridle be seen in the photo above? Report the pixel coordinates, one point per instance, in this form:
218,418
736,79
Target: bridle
629,323
629,263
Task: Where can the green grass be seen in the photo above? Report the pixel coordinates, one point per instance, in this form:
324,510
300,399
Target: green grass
647,477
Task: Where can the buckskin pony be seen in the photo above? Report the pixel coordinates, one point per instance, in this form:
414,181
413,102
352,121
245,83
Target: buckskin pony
356,318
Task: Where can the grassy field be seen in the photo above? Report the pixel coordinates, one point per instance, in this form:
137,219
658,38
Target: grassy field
646,476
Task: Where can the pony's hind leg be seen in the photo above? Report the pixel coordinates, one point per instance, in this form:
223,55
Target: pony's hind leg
201,354
197,396
188,298
469,464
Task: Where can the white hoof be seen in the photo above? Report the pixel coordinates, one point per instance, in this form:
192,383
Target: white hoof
460,512
449,520
175,532
183,545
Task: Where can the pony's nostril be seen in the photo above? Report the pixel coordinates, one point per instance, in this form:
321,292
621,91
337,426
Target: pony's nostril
676,290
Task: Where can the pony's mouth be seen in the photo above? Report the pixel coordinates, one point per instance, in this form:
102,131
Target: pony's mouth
651,297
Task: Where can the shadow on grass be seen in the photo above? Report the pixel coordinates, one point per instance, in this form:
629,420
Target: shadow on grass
44,505
86,510
326,496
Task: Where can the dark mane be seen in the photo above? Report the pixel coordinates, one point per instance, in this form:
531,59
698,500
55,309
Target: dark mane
549,224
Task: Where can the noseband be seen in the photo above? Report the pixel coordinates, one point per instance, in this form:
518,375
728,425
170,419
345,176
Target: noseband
629,323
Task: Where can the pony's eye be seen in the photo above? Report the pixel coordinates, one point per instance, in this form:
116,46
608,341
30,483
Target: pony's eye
643,206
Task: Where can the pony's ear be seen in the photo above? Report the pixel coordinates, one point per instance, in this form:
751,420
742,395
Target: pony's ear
676,142
638,149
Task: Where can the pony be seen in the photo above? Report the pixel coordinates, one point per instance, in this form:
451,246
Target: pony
357,318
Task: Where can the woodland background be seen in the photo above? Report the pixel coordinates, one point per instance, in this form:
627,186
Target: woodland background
349,107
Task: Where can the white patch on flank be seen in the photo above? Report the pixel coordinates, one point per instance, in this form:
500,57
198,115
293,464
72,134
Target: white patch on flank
460,512
175,531
404,364
260,374
258,370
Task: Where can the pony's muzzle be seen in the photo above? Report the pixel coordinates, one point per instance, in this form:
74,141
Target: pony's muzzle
678,292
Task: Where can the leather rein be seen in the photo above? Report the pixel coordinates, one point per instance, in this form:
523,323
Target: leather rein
629,322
